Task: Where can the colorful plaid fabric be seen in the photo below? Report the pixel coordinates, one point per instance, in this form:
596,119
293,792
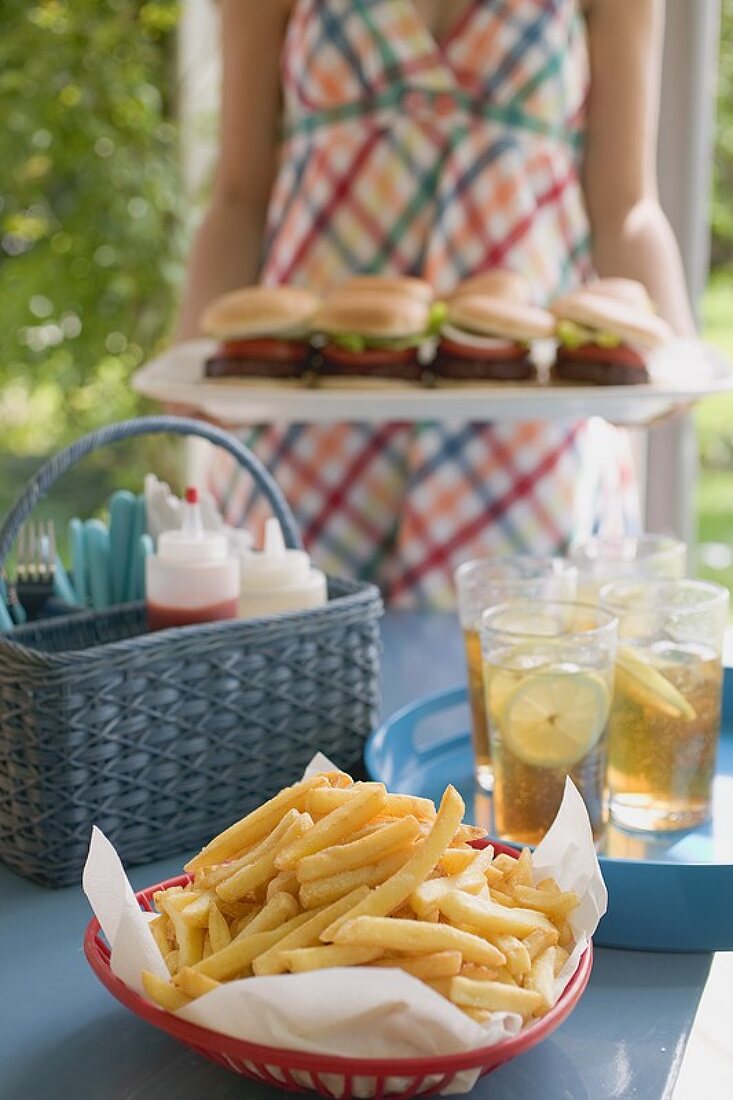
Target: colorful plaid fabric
403,155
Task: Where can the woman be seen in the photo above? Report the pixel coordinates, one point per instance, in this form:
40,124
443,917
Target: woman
438,138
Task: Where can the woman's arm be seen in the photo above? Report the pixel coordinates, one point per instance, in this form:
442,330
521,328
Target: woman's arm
631,235
227,247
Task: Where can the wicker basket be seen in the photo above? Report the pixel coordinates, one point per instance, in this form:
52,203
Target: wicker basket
161,739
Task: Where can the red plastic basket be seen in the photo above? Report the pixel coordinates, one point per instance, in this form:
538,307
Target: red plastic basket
329,1076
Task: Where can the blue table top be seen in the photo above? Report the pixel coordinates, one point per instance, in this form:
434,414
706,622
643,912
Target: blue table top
64,1037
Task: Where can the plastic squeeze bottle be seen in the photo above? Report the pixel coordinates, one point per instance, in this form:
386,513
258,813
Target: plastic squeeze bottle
191,578
278,579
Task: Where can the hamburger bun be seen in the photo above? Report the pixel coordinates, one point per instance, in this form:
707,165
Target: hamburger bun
259,311
390,284
498,283
623,290
631,323
502,317
372,313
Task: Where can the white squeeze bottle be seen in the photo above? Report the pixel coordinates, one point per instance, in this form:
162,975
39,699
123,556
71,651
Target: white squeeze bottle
278,579
191,578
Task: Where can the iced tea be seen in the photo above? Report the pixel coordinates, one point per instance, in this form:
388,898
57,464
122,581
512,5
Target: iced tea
481,584
548,703
665,719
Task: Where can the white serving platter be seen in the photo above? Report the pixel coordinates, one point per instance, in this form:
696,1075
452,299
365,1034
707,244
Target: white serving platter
685,371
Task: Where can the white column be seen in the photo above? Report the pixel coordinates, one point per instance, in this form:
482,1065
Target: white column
685,159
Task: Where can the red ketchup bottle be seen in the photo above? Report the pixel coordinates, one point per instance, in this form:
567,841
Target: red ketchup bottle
191,578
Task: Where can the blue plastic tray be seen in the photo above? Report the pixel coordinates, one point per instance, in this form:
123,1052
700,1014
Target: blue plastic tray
667,892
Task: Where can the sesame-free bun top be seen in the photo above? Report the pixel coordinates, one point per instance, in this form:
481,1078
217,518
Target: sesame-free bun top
630,291
259,311
632,323
499,317
372,313
498,283
390,284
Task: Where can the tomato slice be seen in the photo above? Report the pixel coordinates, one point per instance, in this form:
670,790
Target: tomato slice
268,349
483,355
369,358
623,355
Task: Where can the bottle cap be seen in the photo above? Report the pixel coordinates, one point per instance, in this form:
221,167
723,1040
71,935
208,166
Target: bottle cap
192,544
275,566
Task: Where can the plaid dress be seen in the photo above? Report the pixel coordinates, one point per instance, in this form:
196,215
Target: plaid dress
401,154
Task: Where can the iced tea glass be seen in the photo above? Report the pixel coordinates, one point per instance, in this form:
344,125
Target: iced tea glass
548,676
602,560
481,584
665,720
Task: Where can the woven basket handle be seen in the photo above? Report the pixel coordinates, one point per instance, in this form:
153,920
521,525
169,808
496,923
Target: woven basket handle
55,467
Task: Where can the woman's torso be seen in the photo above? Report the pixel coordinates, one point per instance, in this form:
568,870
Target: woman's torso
440,154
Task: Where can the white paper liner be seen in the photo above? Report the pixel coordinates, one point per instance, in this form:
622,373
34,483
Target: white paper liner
349,1012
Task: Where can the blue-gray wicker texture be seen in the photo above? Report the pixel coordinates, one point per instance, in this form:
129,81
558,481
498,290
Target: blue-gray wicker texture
164,739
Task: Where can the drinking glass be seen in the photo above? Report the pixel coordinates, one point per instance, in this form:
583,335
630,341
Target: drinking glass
602,560
481,584
548,671
665,720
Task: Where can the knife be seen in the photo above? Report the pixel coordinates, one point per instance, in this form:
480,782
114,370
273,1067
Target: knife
96,546
122,521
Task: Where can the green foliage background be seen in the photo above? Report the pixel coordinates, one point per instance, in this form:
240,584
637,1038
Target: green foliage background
91,210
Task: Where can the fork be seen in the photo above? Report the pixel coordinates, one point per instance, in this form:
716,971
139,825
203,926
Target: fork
36,566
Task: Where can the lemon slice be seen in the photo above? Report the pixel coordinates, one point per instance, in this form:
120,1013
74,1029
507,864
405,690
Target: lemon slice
552,719
645,684
499,684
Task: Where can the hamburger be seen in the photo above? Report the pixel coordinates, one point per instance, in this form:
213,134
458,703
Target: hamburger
372,334
263,332
624,290
487,338
605,338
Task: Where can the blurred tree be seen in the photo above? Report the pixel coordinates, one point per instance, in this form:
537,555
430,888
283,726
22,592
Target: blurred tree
90,210
722,213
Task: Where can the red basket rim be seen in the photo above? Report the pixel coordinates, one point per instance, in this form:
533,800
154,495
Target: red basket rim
97,954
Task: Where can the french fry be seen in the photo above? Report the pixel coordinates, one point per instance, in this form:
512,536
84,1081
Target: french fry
466,833
212,876
520,873
321,802
367,801
194,984
306,934
549,885
425,898
197,913
338,778
518,961
505,864
480,1015
441,964
279,909
490,919
503,899
302,959
284,882
326,890
189,939
253,875
163,993
556,906
479,973
440,985
237,910
171,960
358,853
561,957
541,978
536,942
397,889
246,832
236,959
417,937
219,934
207,946
159,930
456,860
565,937
494,996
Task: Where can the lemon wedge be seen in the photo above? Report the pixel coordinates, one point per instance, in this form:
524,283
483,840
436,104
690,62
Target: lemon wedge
645,684
553,719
